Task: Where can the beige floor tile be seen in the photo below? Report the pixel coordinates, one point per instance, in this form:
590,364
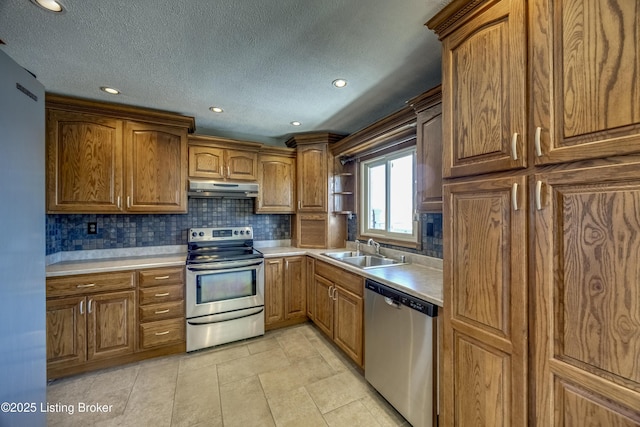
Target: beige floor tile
253,365
244,404
197,398
337,390
280,381
212,357
296,346
353,414
314,369
264,344
295,408
157,375
382,411
121,378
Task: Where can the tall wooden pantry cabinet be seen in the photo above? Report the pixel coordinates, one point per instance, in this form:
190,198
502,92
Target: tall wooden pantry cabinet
541,135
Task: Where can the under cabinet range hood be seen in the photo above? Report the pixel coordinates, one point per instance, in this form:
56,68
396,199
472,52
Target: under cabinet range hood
231,190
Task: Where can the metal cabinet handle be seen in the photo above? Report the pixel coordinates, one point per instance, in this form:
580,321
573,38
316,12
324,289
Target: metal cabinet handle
161,277
299,204
128,201
81,307
335,294
514,146
514,196
536,141
118,202
228,172
89,306
162,333
162,311
88,285
539,195
329,291
165,294
221,171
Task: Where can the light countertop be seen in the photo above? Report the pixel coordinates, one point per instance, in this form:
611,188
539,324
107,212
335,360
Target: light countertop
419,279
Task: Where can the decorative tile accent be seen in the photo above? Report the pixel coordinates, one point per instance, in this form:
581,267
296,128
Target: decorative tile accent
69,232
431,225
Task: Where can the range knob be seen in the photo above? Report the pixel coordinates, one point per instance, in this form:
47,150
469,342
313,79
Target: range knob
241,231
248,232
201,234
235,232
194,234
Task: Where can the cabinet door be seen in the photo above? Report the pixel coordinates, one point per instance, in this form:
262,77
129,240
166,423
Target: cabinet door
241,165
312,230
587,298
310,283
429,158
585,86
323,305
295,287
312,178
277,179
66,332
111,325
156,172
484,98
274,290
349,324
485,303
206,162
84,163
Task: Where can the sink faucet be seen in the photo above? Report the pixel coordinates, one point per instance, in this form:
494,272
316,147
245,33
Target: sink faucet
371,242
358,242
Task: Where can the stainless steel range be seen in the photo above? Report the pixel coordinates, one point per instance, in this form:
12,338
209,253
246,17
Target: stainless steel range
225,287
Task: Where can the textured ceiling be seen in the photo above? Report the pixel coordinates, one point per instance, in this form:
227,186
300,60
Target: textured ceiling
266,62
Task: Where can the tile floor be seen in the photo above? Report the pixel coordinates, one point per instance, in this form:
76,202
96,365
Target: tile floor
289,377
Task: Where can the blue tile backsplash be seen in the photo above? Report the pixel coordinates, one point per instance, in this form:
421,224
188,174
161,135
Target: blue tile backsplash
69,232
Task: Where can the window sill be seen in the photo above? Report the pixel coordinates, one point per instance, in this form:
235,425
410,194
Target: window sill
389,241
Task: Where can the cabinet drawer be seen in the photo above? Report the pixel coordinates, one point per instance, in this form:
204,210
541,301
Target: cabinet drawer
159,294
160,276
167,310
88,283
351,282
162,332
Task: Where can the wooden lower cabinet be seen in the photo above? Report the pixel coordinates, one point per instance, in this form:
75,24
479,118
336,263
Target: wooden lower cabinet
339,308
285,291
95,321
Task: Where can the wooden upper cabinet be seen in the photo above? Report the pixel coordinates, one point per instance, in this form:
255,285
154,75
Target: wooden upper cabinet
312,177
156,165
84,162
485,304
210,158
110,158
484,93
585,79
587,299
277,179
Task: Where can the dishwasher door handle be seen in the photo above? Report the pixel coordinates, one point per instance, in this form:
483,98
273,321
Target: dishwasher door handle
391,302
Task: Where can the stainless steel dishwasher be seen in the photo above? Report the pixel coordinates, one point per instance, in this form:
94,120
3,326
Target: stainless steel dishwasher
401,351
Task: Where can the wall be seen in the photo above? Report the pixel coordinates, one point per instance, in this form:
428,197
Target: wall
431,226
69,232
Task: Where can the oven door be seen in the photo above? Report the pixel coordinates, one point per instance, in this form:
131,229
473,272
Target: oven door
224,286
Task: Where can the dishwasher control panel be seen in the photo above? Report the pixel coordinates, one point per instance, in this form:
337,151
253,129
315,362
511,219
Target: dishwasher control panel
402,298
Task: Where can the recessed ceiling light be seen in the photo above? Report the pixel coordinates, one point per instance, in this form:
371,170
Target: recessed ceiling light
110,90
216,109
295,123
50,5
339,83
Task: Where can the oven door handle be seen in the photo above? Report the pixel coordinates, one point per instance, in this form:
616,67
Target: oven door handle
225,266
225,317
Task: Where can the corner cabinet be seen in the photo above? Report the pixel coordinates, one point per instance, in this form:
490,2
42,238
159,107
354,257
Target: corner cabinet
277,180
108,158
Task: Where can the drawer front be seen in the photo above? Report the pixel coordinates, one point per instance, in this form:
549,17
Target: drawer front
158,294
161,276
162,332
89,283
351,282
167,310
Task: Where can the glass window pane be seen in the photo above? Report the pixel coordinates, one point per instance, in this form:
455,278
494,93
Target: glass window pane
401,195
377,197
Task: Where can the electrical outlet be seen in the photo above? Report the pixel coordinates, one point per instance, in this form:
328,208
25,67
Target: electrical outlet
92,228
429,229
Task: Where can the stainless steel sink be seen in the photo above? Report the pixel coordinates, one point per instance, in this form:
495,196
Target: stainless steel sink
363,261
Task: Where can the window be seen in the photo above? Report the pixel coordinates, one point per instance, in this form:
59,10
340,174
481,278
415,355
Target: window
388,196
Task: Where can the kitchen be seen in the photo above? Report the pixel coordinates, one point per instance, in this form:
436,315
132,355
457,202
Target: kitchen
518,341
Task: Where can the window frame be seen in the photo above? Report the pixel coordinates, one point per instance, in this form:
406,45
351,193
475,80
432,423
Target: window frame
401,239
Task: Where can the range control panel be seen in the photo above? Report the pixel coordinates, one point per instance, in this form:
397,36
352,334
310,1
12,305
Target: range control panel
399,297
214,234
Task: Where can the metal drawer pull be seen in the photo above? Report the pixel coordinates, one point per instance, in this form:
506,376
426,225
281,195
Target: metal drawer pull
539,195
162,333
88,285
514,147
162,277
81,310
162,311
514,196
536,141
166,294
